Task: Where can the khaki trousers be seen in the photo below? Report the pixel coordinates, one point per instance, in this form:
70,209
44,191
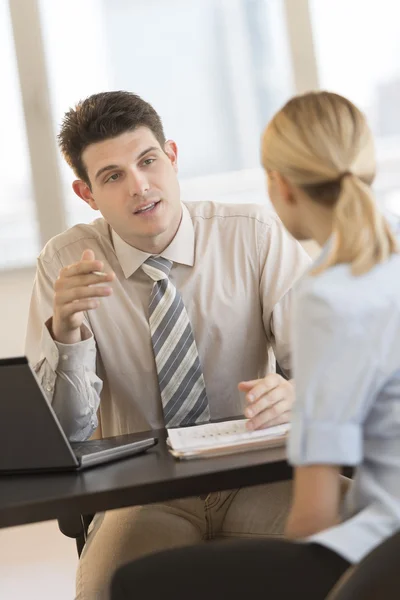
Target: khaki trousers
119,536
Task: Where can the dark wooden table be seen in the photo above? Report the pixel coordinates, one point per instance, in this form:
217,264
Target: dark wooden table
152,477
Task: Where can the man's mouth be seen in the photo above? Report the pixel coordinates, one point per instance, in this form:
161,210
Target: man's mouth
147,208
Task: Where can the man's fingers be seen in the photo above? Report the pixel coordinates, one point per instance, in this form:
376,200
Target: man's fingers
277,414
258,387
68,310
261,389
66,283
246,386
76,294
266,401
82,268
88,255
78,289
283,418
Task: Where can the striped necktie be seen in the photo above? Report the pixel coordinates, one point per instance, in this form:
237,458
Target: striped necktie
180,377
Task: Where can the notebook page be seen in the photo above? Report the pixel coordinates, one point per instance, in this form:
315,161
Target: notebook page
216,435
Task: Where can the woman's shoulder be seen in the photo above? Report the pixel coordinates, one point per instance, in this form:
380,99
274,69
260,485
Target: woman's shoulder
342,292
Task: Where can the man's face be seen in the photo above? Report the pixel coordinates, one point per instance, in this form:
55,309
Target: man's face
135,187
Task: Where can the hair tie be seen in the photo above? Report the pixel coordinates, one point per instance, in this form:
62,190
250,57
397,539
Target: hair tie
345,174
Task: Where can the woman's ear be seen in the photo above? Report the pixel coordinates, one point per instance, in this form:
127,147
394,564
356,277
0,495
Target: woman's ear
284,188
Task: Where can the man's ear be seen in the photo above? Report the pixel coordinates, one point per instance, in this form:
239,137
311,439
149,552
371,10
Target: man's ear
285,189
82,190
171,150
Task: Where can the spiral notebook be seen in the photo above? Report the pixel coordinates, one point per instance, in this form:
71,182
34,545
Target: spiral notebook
226,437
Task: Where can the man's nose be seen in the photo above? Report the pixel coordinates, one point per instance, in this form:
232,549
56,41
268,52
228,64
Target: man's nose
138,184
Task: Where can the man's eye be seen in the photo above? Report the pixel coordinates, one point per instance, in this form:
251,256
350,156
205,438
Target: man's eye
148,161
113,177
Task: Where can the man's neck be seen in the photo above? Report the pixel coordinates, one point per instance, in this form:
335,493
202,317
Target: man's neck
154,246
158,244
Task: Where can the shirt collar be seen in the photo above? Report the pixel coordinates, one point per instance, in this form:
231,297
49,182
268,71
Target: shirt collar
180,250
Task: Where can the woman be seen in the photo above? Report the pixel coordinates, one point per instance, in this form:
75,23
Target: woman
319,159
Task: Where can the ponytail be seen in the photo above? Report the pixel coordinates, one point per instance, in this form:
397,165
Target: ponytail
362,237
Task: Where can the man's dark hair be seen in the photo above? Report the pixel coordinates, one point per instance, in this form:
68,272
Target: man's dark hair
100,117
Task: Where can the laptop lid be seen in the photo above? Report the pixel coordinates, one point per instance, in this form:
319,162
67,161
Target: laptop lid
30,435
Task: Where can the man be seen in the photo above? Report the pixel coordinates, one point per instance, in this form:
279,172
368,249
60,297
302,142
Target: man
160,309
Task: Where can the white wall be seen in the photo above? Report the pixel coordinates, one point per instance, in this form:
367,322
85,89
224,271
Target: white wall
15,289
36,561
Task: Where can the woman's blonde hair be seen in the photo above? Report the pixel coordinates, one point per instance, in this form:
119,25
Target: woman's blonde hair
321,143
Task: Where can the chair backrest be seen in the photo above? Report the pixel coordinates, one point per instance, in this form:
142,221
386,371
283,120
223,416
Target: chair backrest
376,577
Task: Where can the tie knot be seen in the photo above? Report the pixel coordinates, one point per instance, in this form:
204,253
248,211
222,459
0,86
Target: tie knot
157,267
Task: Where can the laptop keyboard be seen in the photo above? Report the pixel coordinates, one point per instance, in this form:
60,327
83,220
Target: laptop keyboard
92,446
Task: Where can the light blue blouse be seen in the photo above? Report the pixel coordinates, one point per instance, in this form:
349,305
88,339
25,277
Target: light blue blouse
346,353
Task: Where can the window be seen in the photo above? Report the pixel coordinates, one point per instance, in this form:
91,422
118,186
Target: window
215,70
358,53
19,240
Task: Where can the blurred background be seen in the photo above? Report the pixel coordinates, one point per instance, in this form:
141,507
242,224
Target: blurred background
215,70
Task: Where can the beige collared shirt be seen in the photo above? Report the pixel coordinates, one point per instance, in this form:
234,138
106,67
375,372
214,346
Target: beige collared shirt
233,265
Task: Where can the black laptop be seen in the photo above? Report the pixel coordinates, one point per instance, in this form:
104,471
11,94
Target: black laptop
31,438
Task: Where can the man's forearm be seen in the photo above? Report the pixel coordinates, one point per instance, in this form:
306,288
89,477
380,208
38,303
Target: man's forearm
75,401
69,380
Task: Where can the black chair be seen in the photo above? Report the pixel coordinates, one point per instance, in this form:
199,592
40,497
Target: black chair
376,577
76,527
